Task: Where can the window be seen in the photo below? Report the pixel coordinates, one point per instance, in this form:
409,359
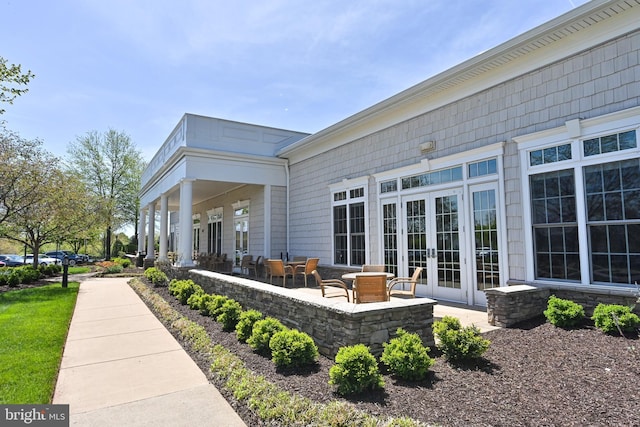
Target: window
486,167
555,230
196,234
550,155
389,186
433,178
613,220
585,214
390,236
610,143
214,231
485,225
349,231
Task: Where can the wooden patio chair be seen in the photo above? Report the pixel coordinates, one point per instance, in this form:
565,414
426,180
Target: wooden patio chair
331,287
277,268
370,289
413,281
306,269
244,263
255,266
377,268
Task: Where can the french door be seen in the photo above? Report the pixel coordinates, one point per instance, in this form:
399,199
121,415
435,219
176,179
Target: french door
433,239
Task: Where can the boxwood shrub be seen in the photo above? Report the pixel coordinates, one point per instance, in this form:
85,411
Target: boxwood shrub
605,317
355,370
458,343
229,314
406,356
245,324
292,348
262,332
563,312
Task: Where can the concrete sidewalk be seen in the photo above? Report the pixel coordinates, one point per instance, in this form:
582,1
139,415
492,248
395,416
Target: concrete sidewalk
122,367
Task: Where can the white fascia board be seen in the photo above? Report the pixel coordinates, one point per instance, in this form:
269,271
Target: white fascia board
559,38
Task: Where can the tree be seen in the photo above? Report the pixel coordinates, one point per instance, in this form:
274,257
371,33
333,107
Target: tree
23,168
110,166
11,77
58,210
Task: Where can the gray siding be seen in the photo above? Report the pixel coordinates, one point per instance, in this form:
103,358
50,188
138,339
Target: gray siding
598,81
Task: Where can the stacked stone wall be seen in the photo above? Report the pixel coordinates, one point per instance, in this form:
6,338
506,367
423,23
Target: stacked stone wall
331,322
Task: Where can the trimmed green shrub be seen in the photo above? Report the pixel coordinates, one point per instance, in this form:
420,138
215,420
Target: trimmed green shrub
262,332
292,348
13,279
183,289
406,356
229,314
214,305
124,262
27,274
245,324
355,370
156,276
195,300
458,343
604,314
563,312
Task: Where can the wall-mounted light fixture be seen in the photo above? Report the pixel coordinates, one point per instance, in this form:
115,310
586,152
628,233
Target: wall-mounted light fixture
427,146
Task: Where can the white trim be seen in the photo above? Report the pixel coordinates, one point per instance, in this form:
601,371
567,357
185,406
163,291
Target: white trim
582,130
347,185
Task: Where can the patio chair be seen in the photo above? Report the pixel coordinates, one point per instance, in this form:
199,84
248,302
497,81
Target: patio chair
299,258
370,289
413,281
331,287
244,263
255,266
306,269
277,268
378,268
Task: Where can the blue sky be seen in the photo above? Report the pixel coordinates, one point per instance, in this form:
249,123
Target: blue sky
138,65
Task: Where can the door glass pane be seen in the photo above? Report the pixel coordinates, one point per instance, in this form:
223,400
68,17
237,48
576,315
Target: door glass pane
447,240
486,241
390,237
416,234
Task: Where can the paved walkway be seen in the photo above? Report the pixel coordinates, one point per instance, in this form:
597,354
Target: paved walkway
121,367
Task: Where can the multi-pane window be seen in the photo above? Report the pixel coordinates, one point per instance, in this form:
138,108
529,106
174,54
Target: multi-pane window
390,237
214,232
433,178
485,167
485,225
613,220
610,143
550,155
389,186
555,228
349,232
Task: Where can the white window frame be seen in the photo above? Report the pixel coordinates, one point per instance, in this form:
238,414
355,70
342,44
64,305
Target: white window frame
348,185
574,132
214,216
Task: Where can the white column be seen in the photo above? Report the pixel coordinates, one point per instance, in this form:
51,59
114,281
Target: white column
185,248
267,221
151,231
164,219
141,225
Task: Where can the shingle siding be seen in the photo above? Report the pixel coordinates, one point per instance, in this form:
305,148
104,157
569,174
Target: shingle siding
598,81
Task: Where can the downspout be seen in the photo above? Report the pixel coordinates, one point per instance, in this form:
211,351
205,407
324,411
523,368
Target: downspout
286,171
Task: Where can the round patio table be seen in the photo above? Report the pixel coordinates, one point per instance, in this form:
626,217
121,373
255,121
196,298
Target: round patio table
352,276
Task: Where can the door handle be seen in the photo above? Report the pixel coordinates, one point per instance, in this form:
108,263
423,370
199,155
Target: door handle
433,253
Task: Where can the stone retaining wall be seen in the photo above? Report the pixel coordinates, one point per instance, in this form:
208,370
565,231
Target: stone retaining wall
331,322
510,305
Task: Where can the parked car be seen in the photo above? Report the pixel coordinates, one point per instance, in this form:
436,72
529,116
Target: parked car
42,260
12,260
73,258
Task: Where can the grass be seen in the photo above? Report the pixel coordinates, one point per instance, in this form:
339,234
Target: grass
33,329
79,270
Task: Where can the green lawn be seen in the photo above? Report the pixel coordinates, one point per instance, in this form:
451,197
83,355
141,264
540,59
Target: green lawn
33,329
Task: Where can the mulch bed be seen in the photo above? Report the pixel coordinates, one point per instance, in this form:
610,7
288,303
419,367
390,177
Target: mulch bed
532,375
